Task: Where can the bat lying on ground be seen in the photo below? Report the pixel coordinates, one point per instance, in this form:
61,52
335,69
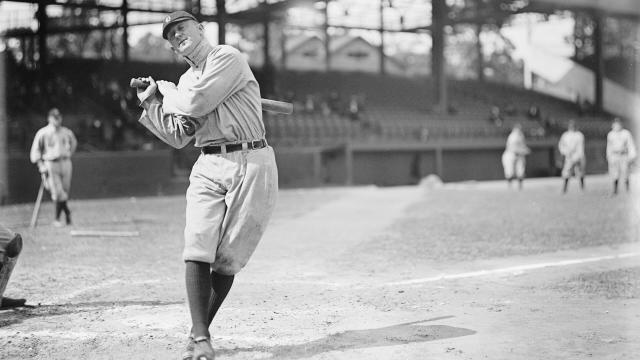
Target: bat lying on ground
274,106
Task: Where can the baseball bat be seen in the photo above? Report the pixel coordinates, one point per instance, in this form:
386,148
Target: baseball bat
274,106
36,208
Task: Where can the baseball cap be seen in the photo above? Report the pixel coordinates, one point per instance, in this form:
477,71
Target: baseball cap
175,17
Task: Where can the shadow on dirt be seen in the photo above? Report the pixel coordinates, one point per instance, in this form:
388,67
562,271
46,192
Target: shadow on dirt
411,332
18,315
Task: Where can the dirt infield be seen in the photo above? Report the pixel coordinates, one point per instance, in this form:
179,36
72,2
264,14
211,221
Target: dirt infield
463,271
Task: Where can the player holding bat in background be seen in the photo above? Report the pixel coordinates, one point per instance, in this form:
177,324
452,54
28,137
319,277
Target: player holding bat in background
233,184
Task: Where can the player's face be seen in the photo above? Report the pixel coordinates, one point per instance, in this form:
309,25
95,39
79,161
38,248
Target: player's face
55,118
184,35
616,126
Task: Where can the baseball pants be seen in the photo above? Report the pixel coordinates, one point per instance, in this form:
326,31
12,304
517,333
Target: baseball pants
619,166
513,165
573,167
59,178
230,200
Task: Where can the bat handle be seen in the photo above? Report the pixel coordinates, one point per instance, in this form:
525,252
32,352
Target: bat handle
138,83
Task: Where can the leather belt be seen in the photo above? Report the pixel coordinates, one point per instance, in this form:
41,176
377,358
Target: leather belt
59,159
227,148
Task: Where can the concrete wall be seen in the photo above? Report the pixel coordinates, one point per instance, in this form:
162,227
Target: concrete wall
147,173
388,165
99,174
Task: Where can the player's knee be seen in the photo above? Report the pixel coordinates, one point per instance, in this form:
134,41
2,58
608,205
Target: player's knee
228,266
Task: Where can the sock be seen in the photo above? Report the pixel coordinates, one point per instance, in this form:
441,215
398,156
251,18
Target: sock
615,186
565,186
520,183
626,184
221,285
582,183
198,293
58,209
67,212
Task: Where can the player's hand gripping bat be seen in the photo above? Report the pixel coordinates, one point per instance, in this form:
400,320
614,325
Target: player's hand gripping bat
274,106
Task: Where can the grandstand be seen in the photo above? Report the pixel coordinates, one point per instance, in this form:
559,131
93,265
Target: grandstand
334,107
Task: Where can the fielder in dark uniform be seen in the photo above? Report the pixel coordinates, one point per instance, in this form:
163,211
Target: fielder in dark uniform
10,248
233,184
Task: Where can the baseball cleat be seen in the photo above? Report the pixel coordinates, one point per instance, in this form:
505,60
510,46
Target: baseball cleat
188,350
202,349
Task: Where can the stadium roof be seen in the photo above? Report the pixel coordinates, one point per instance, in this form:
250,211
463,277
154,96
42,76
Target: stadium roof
621,8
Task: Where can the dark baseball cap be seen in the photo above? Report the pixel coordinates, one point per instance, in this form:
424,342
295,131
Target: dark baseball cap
173,18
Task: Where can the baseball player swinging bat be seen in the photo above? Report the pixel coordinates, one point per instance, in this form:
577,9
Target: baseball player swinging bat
274,106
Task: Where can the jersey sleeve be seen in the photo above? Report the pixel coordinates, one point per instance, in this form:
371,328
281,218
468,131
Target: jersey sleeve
37,148
609,149
562,144
223,75
73,142
175,130
631,147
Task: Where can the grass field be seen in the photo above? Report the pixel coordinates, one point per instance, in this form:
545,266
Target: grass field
462,271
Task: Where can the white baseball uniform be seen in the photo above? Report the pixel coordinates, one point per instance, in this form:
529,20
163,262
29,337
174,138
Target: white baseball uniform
621,151
571,146
52,148
513,158
231,195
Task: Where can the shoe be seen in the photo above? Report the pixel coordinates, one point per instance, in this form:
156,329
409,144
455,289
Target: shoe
188,350
9,303
57,223
202,349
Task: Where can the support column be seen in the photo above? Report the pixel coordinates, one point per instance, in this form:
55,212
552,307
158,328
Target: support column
41,16
439,13
382,59
221,8
598,55
125,31
4,137
479,53
327,39
268,86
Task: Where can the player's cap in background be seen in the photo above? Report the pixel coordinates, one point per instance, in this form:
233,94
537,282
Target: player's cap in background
175,17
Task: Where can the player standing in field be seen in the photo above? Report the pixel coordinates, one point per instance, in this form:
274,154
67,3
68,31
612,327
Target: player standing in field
621,151
233,184
571,146
513,158
51,150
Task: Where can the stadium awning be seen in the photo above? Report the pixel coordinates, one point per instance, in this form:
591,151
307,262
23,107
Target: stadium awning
623,8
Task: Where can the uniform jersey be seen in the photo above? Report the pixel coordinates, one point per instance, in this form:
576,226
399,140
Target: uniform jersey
621,143
53,144
216,101
621,151
231,195
513,158
516,144
571,145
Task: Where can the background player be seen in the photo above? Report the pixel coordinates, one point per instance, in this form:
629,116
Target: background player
513,158
621,151
571,146
51,150
233,184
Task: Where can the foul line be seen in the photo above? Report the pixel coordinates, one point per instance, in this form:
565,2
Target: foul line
512,269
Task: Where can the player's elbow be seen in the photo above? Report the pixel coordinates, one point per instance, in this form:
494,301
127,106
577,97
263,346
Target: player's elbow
197,105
